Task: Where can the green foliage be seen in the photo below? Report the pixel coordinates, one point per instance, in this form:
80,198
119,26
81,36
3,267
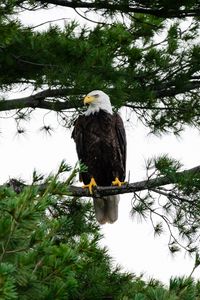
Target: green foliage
50,250
167,166
49,247
184,288
157,77
177,208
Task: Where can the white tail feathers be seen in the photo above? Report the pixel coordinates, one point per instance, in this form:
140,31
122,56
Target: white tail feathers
106,209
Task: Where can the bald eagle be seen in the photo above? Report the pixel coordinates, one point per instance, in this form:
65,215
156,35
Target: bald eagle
100,140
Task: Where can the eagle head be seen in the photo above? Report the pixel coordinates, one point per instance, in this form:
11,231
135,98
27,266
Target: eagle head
97,100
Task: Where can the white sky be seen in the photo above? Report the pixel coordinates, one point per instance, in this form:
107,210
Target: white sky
132,245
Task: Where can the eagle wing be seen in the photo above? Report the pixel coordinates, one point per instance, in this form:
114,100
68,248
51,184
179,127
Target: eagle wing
121,136
78,136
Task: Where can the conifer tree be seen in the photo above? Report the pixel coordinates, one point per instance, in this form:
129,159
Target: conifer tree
146,56
50,250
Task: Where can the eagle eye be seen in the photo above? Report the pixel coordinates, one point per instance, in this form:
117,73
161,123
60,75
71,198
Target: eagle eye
96,95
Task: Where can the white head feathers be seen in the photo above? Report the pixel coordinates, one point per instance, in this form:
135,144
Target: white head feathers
97,100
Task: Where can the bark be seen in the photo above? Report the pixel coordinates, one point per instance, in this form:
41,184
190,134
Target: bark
99,191
40,100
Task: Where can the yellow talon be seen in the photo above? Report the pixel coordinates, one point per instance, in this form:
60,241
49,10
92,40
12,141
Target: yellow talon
90,185
117,182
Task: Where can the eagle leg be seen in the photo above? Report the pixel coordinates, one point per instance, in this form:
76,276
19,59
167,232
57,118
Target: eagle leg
117,182
90,185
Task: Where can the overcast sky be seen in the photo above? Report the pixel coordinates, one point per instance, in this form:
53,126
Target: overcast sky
131,244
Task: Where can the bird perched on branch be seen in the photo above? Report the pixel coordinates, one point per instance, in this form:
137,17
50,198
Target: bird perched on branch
100,140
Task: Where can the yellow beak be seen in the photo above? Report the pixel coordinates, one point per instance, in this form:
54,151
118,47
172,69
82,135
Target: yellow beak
88,99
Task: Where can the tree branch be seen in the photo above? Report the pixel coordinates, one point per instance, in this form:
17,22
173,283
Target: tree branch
127,8
39,99
131,187
173,90
100,191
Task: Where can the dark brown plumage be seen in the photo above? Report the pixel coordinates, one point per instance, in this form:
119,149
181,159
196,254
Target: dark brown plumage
101,145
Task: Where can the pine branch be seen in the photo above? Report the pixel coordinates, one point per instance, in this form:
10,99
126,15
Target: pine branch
99,191
40,100
127,8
